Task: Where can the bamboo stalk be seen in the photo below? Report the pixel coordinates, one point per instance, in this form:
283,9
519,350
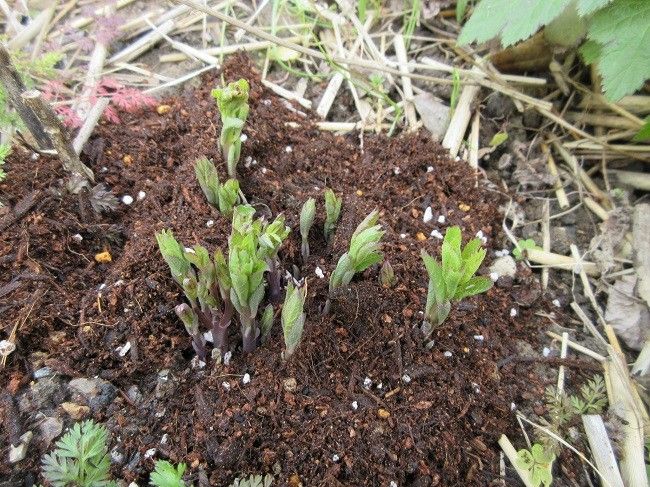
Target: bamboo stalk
579,348
511,454
601,450
560,194
460,119
407,87
558,261
21,39
92,117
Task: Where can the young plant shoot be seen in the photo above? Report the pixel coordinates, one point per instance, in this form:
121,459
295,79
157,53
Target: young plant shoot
222,196
219,286
332,212
307,215
232,102
364,252
454,279
293,317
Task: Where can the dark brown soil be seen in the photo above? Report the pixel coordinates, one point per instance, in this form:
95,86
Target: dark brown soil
440,428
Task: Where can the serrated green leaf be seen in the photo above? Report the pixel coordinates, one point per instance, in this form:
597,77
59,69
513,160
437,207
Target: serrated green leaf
293,317
493,18
590,51
622,28
174,254
166,475
476,285
206,175
643,134
585,7
307,215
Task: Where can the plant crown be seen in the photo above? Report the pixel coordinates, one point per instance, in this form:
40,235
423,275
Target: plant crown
225,196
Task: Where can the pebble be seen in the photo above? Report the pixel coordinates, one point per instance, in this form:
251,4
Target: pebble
42,372
50,428
494,276
428,215
383,414
246,379
406,378
117,456
355,405
479,338
437,234
149,453
393,484
556,303
74,410
402,235
429,168
290,384
18,453
420,236
226,385
546,351
127,199
124,349
367,383
77,237
319,273
88,388
6,347
227,357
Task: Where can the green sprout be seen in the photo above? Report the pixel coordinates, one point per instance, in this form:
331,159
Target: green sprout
266,322
80,458
454,279
332,212
307,215
216,286
364,252
539,463
232,102
222,196
387,275
522,246
293,317
166,475
5,150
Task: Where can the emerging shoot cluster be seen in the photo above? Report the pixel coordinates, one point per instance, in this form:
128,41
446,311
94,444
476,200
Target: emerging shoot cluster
454,279
232,102
293,317
364,252
332,212
222,196
216,287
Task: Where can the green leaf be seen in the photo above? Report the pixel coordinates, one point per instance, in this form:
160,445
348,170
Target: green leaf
622,28
332,212
476,285
590,51
166,475
436,278
518,251
461,7
293,317
307,214
643,134
174,255
493,18
586,7
368,221
498,139
228,196
206,175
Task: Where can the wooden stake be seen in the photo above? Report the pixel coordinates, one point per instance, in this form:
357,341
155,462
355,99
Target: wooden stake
14,86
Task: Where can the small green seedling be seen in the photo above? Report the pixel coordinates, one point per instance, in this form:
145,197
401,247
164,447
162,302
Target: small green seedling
5,150
332,212
293,317
191,321
166,475
387,275
232,102
522,246
539,463
225,196
454,279
364,252
307,215
80,458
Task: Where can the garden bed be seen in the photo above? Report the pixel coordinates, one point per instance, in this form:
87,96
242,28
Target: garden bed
362,402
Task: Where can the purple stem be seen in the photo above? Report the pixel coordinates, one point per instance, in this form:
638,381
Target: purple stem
275,282
220,327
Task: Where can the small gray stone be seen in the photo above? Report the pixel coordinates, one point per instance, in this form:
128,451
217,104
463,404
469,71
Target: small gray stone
18,453
46,393
134,394
434,113
562,238
89,388
504,266
42,372
50,429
